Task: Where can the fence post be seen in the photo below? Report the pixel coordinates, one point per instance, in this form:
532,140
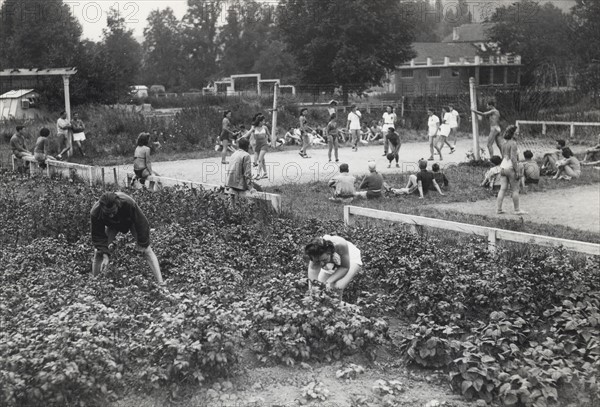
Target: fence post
492,241
103,179
90,174
47,169
544,129
115,174
572,134
348,216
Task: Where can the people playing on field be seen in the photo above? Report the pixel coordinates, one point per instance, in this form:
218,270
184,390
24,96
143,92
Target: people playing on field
454,123
493,175
592,155
78,128
531,171
18,145
389,121
239,173
393,139
260,133
63,125
353,126
227,134
342,185
433,128
440,177
551,158
569,167
510,171
142,165
445,130
304,129
495,130
334,261
332,134
117,212
421,182
372,184
42,146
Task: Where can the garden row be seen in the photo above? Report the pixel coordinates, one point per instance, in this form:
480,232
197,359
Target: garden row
517,330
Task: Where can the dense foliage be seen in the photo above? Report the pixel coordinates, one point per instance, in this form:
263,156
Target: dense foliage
516,330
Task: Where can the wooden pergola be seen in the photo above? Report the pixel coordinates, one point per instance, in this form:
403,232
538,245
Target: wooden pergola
64,72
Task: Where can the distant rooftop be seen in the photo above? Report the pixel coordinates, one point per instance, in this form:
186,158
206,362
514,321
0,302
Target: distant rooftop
14,94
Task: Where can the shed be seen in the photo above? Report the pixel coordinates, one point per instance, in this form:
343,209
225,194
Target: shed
19,104
139,91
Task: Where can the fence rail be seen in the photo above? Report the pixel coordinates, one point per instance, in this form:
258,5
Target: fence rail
492,234
545,124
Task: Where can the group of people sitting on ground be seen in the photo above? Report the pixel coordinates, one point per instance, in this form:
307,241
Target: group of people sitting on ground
373,185
561,163
528,170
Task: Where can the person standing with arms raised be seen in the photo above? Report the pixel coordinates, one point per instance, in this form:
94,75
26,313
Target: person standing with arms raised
495,130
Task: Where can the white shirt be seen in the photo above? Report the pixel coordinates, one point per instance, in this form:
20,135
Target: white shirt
389,120
62,123
453,122
354,118
433,123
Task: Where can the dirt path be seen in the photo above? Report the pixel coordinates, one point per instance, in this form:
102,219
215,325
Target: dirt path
577,207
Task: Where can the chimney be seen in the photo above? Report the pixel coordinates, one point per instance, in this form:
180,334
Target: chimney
455,36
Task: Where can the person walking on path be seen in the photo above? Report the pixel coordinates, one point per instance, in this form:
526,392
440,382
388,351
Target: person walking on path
78,128
510,171
334,261
445,130
227,134
353,126
433,128
454,123
389,121
495,130
302,121
332,137
260,133
117,212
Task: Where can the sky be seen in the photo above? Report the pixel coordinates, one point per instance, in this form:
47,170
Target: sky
92,13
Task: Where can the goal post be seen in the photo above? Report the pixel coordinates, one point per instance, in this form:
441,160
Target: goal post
474,118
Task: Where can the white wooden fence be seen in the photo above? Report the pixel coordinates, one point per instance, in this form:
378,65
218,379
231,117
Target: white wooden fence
492,234
545,125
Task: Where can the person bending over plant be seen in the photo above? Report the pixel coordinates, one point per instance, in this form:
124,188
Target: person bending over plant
117,212
334,261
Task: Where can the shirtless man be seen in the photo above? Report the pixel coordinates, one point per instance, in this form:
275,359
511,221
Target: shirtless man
495,130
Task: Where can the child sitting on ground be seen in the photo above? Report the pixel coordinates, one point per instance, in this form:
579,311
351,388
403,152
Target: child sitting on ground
440,177
531,171
492,177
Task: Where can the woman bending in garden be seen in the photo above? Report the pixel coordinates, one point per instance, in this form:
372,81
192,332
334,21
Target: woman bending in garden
333,261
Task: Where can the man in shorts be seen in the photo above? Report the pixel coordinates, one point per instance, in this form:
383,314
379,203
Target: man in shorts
302,120
389,121
63,125
495,130
454,123
353,126
117,212
433,127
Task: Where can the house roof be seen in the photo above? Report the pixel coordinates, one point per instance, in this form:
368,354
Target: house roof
438,50
15,94
476,32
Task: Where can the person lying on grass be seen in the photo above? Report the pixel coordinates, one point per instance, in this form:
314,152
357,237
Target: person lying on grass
117,212
491,178
420,183
569,167
334,261
342,185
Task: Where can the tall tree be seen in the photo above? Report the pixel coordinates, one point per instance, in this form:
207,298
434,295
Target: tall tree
37,33
541,34
164,61
199,41
423,18
586,43
353,43
122,55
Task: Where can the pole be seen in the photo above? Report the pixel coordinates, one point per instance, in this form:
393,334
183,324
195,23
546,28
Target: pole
274,120
115,174
474,119
68,110
103,179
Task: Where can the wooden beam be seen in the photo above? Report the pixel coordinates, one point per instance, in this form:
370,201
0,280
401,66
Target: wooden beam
38,71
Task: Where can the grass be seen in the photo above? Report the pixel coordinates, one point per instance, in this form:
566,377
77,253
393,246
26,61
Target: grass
311,200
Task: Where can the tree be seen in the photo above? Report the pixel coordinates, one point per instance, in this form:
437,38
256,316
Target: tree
353,43
199,41
36,34
541,34
276,62
586,44
164,60
423,18
121,54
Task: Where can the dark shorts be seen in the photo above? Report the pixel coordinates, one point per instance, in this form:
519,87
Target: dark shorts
261,147
142,174
225,136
